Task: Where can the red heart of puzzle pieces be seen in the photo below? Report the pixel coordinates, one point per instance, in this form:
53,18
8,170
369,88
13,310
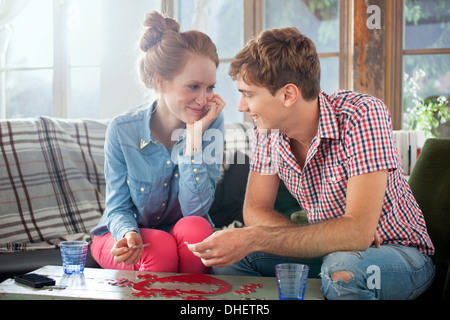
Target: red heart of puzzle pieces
145,290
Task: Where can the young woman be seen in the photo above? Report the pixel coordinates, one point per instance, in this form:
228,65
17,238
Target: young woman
160,184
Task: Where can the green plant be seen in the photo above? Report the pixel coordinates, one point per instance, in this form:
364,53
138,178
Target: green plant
423,114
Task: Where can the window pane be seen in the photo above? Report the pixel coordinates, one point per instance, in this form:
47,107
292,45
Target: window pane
227,89
84,21
318,20
427,24
329,78
29,93
425,76
31,42
222,20
85,93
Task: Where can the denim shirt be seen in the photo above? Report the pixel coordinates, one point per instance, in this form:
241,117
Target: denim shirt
152,187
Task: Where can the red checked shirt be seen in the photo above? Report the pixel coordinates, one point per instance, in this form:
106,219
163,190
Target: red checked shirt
354,137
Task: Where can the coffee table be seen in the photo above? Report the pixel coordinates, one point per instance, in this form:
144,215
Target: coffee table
137,285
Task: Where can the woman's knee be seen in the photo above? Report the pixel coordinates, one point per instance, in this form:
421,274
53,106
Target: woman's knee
162,254
101,251
191,229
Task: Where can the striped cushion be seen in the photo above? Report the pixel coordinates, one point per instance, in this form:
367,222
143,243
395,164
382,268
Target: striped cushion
51,179
230,189
238,138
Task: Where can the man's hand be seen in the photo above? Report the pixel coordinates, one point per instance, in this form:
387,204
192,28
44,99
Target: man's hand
225,247
377,241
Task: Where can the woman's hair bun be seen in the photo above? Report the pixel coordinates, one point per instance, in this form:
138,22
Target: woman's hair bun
156,25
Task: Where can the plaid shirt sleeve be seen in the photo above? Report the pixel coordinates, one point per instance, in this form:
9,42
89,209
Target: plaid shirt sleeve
369,140
261,159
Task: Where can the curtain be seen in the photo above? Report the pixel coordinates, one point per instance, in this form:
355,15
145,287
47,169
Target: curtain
9,9
200,19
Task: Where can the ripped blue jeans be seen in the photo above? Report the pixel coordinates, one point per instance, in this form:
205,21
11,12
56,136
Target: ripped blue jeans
386,273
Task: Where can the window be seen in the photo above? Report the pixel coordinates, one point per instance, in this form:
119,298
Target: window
73,58
27,82
78,58
426,51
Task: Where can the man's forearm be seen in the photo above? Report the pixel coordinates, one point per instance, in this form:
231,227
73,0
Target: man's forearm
265,217
311,241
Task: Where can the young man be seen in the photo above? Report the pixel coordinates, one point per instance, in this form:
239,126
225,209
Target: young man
337,156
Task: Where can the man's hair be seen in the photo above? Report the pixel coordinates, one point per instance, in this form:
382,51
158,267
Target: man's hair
278,57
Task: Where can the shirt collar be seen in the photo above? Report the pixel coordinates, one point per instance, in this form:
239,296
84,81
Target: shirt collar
328,125
147,133
147,136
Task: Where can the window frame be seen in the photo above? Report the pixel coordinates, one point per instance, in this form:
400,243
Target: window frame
61,67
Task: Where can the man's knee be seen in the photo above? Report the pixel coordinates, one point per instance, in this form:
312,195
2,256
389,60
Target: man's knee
343,275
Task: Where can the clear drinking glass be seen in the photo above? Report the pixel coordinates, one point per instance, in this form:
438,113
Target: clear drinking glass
73,254
291,279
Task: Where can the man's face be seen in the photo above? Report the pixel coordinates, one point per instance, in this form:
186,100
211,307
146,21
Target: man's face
260,104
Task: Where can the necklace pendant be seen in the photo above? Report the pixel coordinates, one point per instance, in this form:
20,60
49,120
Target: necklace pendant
143,144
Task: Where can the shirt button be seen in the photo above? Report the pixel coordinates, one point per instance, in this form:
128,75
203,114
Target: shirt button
168,162
163,204
128,181
195,170
165,184
197,179
142,189
176,175
192,161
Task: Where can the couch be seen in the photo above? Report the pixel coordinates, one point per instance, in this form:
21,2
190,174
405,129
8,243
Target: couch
52,187
430,184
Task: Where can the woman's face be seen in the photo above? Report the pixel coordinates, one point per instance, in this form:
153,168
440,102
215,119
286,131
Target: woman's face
187,95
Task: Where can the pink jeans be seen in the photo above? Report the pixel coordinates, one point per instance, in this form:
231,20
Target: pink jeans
167,253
